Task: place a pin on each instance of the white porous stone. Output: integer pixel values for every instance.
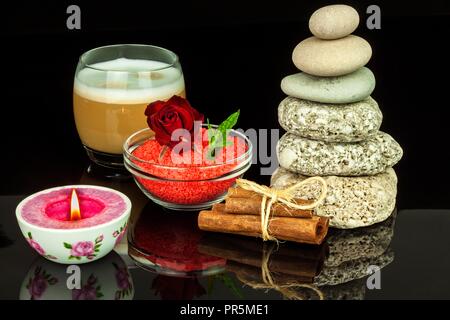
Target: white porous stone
(330, 122)
(351, 202)
(319, 158)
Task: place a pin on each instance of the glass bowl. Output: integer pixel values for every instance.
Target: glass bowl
(186, 187)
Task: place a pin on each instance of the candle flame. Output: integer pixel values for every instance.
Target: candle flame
(74, 207)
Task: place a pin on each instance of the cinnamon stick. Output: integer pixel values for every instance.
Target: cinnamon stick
(312, 231)
(241, 201)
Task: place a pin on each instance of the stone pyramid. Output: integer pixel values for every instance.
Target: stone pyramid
(333, 124)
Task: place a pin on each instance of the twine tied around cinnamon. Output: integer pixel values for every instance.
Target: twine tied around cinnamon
(287, 290)
(283, 196)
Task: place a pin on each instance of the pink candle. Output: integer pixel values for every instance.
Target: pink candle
(52, 209)
(65, 222)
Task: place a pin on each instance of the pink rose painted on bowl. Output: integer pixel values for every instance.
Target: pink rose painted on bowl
(82, 249)
(118, 234)
(36, 246)
(88, 249)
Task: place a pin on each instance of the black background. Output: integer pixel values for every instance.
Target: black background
(234, 55)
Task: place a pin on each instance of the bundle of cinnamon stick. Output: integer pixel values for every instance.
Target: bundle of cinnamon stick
(241, 214)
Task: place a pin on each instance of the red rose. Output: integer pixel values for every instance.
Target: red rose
(164, 117)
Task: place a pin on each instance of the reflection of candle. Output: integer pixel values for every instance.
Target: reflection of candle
(107, 279)
(74, 224)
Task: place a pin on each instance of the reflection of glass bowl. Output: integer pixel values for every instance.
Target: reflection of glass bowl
(167, 243)
(106, 279)
(186, 187)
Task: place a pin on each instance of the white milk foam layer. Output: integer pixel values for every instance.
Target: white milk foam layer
(129, 81)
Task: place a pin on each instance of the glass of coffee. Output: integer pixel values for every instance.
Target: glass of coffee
(113, 85)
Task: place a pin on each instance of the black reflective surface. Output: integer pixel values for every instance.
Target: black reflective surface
(233, 56)
(178, 261)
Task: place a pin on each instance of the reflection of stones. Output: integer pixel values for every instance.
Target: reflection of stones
(353, 251)
(373, 241)
(351, 270)
(167, 242)
(106, 279)
(352, 290)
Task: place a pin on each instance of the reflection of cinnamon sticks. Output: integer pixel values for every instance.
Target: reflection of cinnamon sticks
(303, 230)
(287, 262)
(297, 261)
(241, 201)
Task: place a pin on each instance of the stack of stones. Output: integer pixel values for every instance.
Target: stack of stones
(333, 124)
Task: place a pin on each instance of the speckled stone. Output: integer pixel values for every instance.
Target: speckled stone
(351, 270)
(351, 202)
(333, 22)
(330, 122)
(318, 158)
(329, 58)
(352, 87)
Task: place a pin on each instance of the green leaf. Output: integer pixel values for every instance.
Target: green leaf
(221, 144)
(78, 258)
(71, 257)
(67, 245)
(229, 122)
(29, 235)
(218, 137)
(99, 295)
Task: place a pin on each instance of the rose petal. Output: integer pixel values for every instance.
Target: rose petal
(186, 117)
(154, 107)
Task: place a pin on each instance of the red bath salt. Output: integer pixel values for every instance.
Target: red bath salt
(52, 209)
(193, 164)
